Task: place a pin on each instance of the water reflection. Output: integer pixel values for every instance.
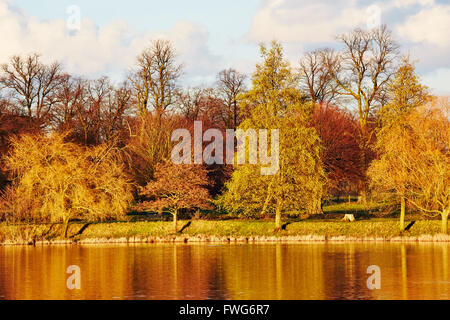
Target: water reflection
(278, 271)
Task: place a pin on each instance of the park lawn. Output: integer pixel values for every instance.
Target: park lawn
(375, 228)
(239, 228)
(372, 222)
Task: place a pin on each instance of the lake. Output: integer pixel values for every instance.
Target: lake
(247, 271)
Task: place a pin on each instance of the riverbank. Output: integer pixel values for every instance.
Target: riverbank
(225, 231)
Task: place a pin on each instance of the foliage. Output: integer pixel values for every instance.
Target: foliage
(340, 152)
(406, 95)
(415, 161)
(55, 181)
(177, 187)
(274, 102)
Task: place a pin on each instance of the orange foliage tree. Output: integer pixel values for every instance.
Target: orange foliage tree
(415, 161)
(177, 187)
(340, 152)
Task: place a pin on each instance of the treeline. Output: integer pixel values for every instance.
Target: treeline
(350, 122)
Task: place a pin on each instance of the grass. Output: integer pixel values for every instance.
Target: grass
(327, 226)
(384, 228)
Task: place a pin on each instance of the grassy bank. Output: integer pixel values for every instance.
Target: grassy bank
(223, 231)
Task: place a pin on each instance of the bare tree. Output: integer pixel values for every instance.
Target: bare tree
(114, 113)
(154, 79)
(94, 110)
(229, 85)
(364, 68)
(32, 85)
(316, 80)
(362, 72)
(193, 102)
(71, 97)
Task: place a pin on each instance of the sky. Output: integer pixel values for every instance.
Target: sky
(100, 37)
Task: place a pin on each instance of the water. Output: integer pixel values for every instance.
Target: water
(268, 271)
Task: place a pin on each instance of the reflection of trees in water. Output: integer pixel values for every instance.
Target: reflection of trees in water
(273, 272)
(175, 272)
(279, 271)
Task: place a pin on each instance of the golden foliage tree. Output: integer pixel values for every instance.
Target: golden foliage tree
(55, 181)
(274, 102)
(415, 163)
(405, 94)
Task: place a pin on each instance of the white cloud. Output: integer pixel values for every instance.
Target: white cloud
(305, 21)
(407, 3)
(95, 50)
(429, 25)
(438, 81)
(421, 26)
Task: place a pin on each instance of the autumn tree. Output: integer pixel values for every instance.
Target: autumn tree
(56, 181)
(275, 103)
(339, 151)
(362, 72)
(154, 80)
(176, 187)
(405, 95)
(415, 161)
(154, 92)
(149, 144)
(11, 124)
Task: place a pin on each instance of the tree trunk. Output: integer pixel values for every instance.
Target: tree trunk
(65, 228)
(266, 204)
(402, 213)
(175, 218)
(445, 214)
(318, 206)
(362, 198)
(278, 214)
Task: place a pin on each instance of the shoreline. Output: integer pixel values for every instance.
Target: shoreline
(205, 239)
(228, 231)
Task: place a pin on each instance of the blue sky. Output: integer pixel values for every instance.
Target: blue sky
(211, 35)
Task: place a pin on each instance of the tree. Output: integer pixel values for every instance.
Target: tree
(362, 72)
(32, 85)
(114, 114)
(177, 187)
(274, 102)
(230, 84)
(316, 81)
(56, 181)
(11, 124)
(340, 151)
(71, 97)
(155, 78)
(195, 103)
(405, 95)
(149, 144)
(415, 163)
(94, 111)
